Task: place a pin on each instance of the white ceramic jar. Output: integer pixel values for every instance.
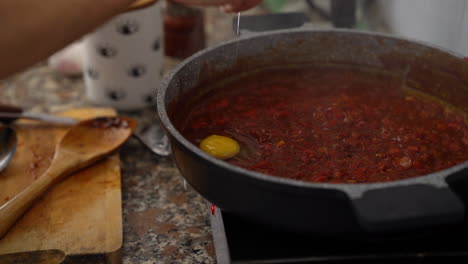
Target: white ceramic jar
(123, 60)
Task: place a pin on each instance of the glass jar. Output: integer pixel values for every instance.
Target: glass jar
(184, 31)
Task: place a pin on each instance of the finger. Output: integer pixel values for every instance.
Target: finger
(242, 5)
(227, 8)
(232, 6)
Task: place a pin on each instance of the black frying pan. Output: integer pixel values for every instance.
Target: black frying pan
(421, 202)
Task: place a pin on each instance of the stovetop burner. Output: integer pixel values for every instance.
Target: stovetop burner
(239, 242)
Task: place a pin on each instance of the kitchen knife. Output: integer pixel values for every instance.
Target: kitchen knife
(10, 113)
(149, 132)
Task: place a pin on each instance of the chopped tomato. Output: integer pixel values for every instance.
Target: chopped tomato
(330, 125)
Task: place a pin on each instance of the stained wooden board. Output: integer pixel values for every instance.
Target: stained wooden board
(81, 215)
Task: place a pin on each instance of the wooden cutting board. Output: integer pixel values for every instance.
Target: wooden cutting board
(81, 215)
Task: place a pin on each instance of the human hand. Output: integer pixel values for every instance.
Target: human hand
(141, 3)
(226, 5)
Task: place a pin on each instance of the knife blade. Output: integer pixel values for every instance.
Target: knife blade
(149, 132)
(4, 116)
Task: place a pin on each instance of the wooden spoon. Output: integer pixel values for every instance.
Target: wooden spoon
(84, 144)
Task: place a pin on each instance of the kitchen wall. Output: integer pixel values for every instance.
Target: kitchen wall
(441, 22)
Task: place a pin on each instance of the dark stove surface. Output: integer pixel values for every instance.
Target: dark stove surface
(238, 242)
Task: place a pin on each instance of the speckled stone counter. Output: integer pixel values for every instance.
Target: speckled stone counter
(162, 221)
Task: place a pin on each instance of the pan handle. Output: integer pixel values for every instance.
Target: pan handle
(402, 208)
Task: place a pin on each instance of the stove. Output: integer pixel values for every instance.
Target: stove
(238, 241)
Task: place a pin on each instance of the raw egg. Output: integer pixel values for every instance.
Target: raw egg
(220, 147)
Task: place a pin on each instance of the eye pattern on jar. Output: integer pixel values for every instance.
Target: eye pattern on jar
(137, 71)
(106, 50)
(92, 73)
(116, 94)
(149, 99)
(128, 27)
(157, 44)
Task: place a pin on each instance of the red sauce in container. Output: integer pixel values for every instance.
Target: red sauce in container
(184, 32)
(336, 126)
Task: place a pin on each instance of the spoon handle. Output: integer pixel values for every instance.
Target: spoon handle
(16, 207)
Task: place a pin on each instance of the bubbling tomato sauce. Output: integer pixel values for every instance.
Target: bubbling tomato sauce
(335, 126)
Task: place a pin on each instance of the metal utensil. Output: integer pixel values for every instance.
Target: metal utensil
(10, 113)
(8, 141)
(150, 134)
(153, 137)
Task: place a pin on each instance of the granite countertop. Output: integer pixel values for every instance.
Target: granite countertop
(162, 221)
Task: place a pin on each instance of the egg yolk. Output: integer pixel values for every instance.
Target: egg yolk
(220, 147)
